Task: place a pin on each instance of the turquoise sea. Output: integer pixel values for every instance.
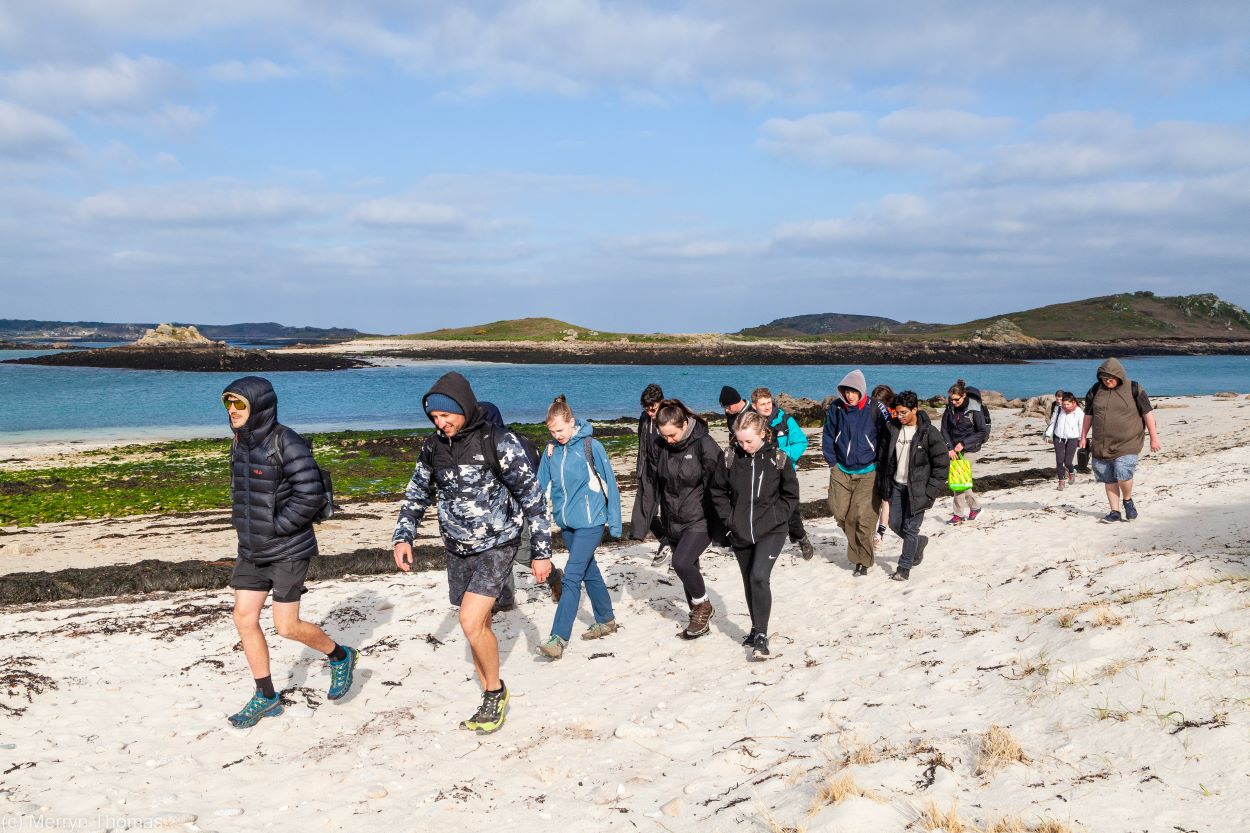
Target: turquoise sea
(55, 403)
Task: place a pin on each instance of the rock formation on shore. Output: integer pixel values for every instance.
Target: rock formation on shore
(168, 335)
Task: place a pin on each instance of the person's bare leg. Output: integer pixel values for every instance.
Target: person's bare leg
(475, 622)
(287, 623)
(1126, 489)
(1113, 496)
(247, 607)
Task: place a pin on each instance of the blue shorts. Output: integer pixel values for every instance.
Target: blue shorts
(1117, 470)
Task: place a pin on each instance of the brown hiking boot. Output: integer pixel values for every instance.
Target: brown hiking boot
(700, 616)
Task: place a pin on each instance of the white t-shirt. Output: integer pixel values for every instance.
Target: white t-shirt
(902, 452)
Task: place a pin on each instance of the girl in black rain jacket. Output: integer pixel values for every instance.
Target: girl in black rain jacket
(755, 494)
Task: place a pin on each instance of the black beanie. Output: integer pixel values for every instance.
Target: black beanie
(729, 396)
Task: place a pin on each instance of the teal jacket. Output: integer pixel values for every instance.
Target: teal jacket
(790, 437)
(577, 496)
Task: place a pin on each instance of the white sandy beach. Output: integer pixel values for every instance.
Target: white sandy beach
(1114, 654)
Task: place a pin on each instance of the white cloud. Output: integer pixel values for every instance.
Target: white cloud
(838, 140)
(258, 70)
(392, 212)
(202, 204)
(678, 247)
(943, 126)
(28, 135)
(121, 84)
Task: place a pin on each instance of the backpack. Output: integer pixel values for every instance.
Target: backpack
(1134, 389)
(975, 395)
(590, 458)
(781, 460)
(488, 437)
(326, 512)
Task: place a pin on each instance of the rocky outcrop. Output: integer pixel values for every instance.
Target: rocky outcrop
(1002, 331)
(167, 335)
(807, 412)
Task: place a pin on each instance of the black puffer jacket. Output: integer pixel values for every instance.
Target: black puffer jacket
(274, 503)
(683, 472)
(754, 497)
(927, 467)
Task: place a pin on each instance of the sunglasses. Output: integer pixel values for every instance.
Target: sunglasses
(235, 405)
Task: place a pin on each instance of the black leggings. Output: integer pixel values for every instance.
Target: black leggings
(686, 551)
(756, 564)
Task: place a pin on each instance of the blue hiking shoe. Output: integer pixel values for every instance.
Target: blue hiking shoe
(341, 674)
(1130, 511)
(259, 706)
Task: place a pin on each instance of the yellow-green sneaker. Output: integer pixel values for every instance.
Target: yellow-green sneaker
(490, 715)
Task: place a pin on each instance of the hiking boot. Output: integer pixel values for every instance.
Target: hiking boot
(1130, 511)
(749, 639)
(661, 555)
(258, 707)
(956, 520)
(1071, 478)
(860, 570)
(806, 548)
(553, 647)
(1062, 484)
(341, 674)
(1112, 517)
(700, 617)
(555, 580)
(972, 515)
(490, 715)
(601, 629)
(922, 541)
(759, 648)
(900, 574)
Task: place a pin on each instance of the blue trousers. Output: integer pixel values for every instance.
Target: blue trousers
(581, 569)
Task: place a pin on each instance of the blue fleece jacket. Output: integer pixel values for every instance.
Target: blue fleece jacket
(577, 499)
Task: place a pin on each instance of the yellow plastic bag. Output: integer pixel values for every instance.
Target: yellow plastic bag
(960, 477)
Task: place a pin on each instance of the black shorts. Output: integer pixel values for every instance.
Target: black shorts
(483, 573)
(284, 578)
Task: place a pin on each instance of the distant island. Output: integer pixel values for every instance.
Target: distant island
(21, 333)
(1127, 324)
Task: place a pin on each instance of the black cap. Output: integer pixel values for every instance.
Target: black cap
(729, 396)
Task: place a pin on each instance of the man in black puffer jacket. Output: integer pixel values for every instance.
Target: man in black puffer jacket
(277, 494)
(912, 465)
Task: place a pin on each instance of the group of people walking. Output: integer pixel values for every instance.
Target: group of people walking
(498, 497)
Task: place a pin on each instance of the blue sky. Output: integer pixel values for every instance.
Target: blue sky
(702, 166)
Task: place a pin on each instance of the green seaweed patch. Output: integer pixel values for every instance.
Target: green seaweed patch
(194, 475)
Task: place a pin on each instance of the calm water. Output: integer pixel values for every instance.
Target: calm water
(45, 403)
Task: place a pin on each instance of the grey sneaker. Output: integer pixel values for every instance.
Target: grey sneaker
(806, 548)
(601, 629)
(661, 555)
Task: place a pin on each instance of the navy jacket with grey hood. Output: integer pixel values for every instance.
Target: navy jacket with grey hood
(476, 510)
(275, 485)
(852, 433)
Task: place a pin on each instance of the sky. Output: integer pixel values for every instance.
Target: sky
(398, 165)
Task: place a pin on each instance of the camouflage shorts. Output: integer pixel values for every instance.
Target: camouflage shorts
(483, 573)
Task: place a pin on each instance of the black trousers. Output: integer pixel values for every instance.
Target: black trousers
(756, 563)
(796, 530)
(687, 549)
(905, 523)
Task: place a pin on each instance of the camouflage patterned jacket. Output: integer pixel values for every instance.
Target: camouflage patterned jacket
(477, 511)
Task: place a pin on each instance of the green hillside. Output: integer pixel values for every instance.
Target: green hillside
(1124, 316)
(539, 330)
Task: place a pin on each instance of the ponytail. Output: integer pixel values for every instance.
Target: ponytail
(560, 407)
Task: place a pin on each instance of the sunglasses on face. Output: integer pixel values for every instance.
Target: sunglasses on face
(235, 405)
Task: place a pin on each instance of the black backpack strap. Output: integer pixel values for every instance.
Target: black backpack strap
(490, 450)
(781, 460)
(589, 448)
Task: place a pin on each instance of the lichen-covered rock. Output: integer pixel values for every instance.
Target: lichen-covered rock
(167, 335)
